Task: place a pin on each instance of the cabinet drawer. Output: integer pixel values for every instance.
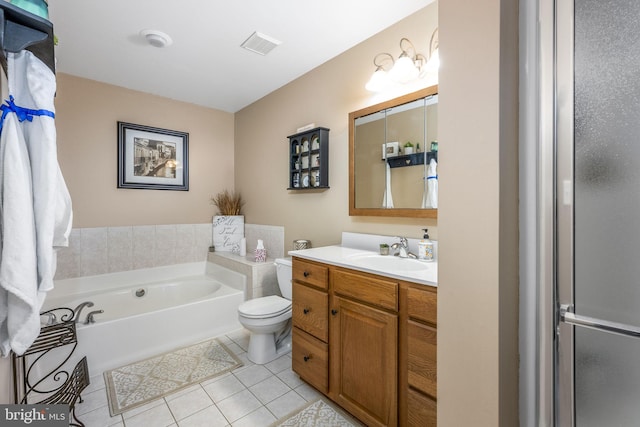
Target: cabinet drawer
(311, 274)
(379, 292)
(421, 411)
(310, 359)
(310, 311)
(422, 305)
(422, 357)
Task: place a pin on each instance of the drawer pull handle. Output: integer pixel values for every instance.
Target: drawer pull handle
(306, 310)
(306, 358)
(334, 311)
(306, 274)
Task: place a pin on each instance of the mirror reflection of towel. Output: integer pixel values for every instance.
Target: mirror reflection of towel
(387, 199)
(430, 199)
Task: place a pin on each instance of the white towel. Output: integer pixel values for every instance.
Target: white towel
(430, 199)
(33, 86)
(387, 199)
(19, 302)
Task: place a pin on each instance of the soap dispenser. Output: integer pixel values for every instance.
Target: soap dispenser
(425, 247)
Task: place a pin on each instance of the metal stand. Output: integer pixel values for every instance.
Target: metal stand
(57, 386)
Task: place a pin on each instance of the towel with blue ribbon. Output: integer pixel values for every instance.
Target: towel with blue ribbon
(21, 113)
(35, 206)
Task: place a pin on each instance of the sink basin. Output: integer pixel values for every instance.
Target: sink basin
(389, 263)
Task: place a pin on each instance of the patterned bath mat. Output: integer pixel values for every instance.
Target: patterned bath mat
(317, 414)
(134, 385)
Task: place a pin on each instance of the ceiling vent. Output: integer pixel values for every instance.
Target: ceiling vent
(260, 43)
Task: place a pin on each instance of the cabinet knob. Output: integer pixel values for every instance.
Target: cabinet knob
(334, 311)
(306, 358)
(306, 274)
(306, 310)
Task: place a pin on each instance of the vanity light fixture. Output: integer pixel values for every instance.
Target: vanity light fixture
(434, 57)
(409, 66)
(379, 81)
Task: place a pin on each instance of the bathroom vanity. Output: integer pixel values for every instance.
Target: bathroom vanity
(367, 339)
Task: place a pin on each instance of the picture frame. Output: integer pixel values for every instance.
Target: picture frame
(390, 149)
(152, 158)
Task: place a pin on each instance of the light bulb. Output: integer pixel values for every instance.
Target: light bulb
(434, 62)
(378, 81)
(404, 70)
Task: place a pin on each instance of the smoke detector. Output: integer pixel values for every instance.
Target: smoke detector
(260, 43)
(156, 38)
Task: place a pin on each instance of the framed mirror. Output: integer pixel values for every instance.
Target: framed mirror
(391, 148)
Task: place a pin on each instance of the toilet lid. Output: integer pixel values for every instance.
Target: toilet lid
(270, 306)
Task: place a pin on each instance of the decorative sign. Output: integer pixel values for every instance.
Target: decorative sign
(228, 231)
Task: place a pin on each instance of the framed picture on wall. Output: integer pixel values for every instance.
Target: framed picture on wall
(152, 158)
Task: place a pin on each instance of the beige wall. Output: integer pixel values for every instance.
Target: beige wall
(324, 96)
(87, 113)
(477, 225)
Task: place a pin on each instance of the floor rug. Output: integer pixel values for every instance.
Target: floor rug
(134, 385)
(318, 413)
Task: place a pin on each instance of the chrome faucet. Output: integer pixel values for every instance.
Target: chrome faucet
(90, 318)
(79, 308)
(403, 248)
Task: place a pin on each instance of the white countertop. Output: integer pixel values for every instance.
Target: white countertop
(425, 273)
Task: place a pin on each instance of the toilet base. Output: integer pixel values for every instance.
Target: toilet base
(263, 349)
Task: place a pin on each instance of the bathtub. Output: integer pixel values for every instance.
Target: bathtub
(150, 311)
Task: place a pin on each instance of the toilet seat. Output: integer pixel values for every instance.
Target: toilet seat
(265, 307)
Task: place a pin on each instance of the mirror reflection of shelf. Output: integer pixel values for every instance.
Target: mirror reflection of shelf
(413, 159)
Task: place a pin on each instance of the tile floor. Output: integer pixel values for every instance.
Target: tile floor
(252, 395)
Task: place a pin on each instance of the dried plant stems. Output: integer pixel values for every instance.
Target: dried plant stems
(228, 203)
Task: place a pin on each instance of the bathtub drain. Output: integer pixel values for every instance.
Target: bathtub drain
(140, 293)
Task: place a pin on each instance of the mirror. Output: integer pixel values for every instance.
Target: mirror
(388, 176)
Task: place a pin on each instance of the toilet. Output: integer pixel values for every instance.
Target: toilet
(269, 319)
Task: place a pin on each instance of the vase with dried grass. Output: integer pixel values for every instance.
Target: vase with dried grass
(228, 223)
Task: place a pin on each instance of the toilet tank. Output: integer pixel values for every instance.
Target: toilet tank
(283, 272)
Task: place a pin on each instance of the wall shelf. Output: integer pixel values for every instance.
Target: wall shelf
(20, 30)
(309, 160)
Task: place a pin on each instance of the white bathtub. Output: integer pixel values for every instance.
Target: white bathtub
(182, 304)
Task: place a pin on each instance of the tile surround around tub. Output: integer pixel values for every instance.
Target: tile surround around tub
(102, 250)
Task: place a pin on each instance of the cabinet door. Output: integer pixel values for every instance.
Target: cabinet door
(363, 358)
(422, 411)
(422, 356)
(310, 308)
(310, 273)
(310, 360)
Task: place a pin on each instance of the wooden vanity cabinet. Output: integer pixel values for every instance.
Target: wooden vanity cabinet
(310, 302)
(363, 346)
(366, 341)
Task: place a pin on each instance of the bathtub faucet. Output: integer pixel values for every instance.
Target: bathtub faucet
(90, 318)
(76, 312)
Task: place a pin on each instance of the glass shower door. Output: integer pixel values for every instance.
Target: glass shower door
(598, 207)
